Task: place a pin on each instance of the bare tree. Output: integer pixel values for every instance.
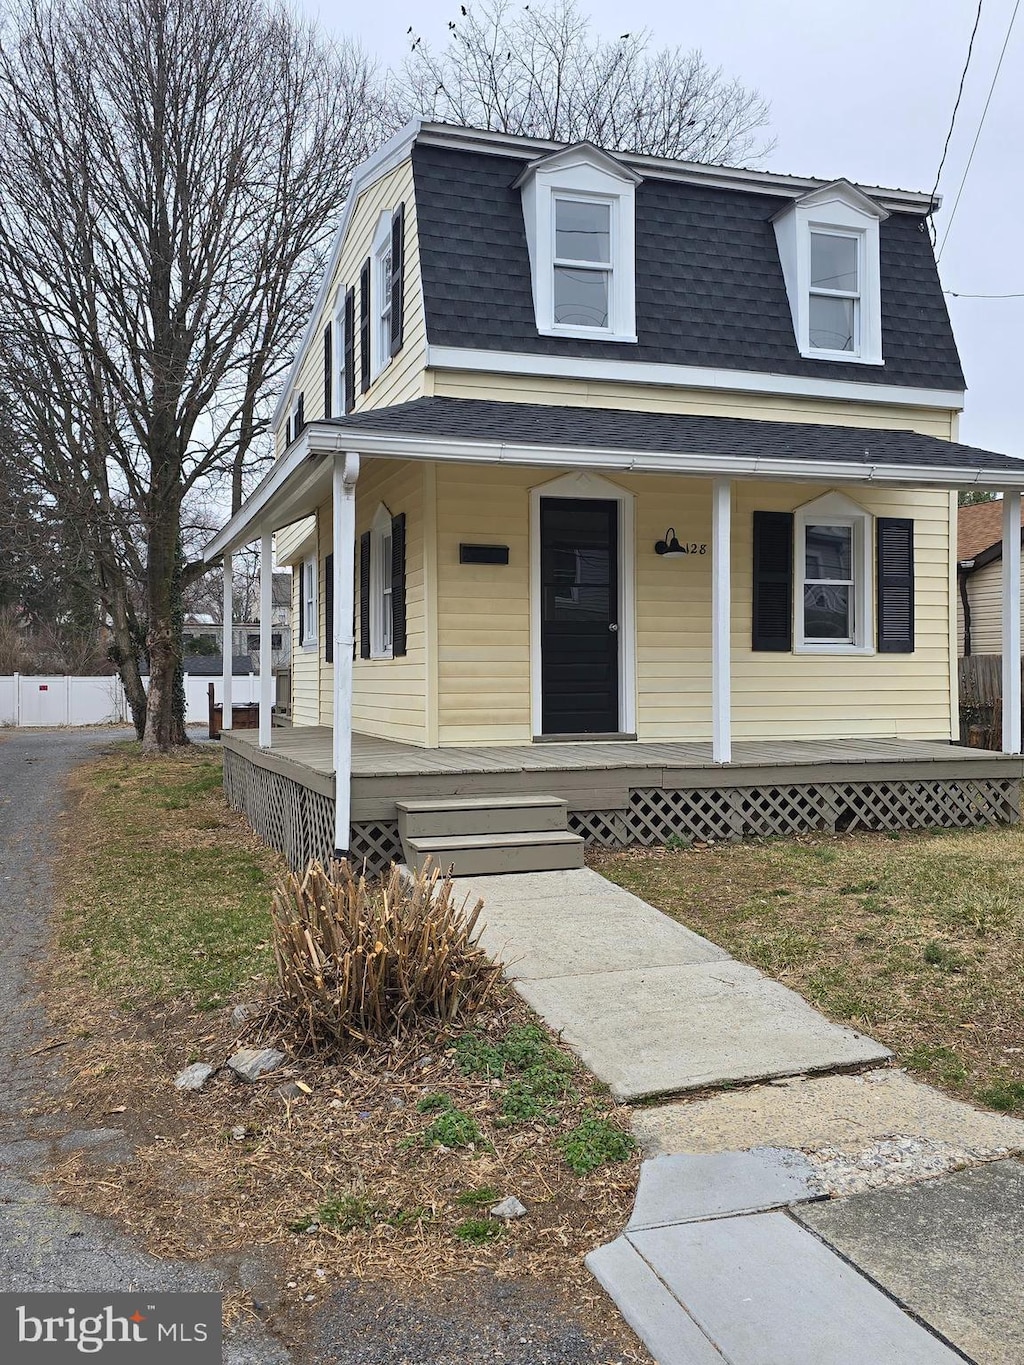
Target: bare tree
(540, 70)
(172, 172)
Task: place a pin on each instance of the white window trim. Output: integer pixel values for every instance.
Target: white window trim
(382, 622)
(834, 509)
(380, 297)
(581, 173)
(847, 212)
(311, 590)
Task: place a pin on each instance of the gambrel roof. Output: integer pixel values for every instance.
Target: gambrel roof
(709, 284)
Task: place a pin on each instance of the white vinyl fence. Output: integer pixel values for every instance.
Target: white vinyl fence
(27, 701)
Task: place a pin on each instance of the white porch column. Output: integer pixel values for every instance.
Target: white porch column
(721, 621)
(346, 472)
(227, 650)
(1011, 623)
(266, 658)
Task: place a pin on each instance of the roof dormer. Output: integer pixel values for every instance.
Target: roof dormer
(579, 206)
(828, 246)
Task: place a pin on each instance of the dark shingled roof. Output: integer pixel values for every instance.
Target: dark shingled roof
(471, 419)
(709, 285)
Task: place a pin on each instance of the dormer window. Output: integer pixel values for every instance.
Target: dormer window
(583, 263)
(833, 320)
(579, 211)
(828, 247)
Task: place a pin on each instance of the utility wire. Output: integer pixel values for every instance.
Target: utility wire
(977, 135)
(952, 121)
(955, 294)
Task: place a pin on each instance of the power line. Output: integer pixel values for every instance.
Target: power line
(952, 121)
(955, 294)
(977, 135)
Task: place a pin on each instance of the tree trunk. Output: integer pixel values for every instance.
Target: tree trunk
(165, 709)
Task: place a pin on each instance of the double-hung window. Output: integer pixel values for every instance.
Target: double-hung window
(832, 592)
(833, 321)
(582, 262)
(828, 586)
(381, 610)
(309, 601)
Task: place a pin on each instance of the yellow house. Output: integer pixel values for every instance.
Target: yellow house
(620, 498)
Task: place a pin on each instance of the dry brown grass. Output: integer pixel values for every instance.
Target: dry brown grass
(129, 1015)
(917, 939)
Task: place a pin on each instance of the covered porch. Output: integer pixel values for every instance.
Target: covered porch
(325, 789)
(619, 793)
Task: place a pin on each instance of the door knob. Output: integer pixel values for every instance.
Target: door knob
(613, 626)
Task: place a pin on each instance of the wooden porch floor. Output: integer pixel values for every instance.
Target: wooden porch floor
(597, 775)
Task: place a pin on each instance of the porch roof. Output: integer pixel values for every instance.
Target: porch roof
(480, 431)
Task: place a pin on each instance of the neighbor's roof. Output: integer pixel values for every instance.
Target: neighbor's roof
(979, 527)
(613, 429)
(710, 290)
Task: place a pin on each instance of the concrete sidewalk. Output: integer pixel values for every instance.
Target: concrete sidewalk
(650, 1007)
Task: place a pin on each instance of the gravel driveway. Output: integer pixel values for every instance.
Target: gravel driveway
(44, 1246)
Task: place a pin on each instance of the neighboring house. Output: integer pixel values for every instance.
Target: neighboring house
(211, 666)
(204, 633)
(979, 557)
(647, 472)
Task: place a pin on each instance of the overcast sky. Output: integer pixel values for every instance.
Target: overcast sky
(864, 91)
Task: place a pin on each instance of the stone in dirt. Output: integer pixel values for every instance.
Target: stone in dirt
(194, 1077)
(250, 1063)
(291, 1090)
(241, 1014)
(509, 1208)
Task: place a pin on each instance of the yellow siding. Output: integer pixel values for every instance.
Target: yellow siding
(484, 620)
(706, 402)
(402, 379)
(388, 695)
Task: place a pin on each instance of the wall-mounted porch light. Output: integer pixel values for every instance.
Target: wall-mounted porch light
(670, 545)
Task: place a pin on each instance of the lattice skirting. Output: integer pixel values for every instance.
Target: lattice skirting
(656, 815)
(300, 823)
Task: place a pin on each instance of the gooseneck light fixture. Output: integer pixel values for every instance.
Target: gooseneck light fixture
(670, 545)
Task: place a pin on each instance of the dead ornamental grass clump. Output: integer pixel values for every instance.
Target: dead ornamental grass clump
(359, 962)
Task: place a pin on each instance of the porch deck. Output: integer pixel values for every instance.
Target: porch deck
(620, 792)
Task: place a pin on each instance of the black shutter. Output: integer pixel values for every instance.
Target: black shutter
(398, 615)
(328, 369)
(288, 433)
(300, 414)
(350, 350)
(364, 595)
(364, 326)
(329, 609)
(397, 277)
(895, 585)
(773, 581)
(302, 602)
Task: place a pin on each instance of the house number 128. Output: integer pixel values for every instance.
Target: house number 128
(693, 549)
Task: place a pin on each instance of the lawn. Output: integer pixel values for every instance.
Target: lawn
(915, 938)
(382, 1164)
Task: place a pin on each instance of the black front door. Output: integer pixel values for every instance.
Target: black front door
(579, 562)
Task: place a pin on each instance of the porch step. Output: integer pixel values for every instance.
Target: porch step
(475, 855)
(440, 816)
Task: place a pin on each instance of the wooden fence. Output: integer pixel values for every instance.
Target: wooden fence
(981, 700)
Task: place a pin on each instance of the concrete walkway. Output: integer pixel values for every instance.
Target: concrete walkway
(650, 1007)
(804, 1219)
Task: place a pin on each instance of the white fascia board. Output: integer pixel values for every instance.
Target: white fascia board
(384, 159)
(325, 439)
(665, 168)
(246, 525)
(688, 377)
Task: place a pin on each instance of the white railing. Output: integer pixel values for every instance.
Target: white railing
(37, 701)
